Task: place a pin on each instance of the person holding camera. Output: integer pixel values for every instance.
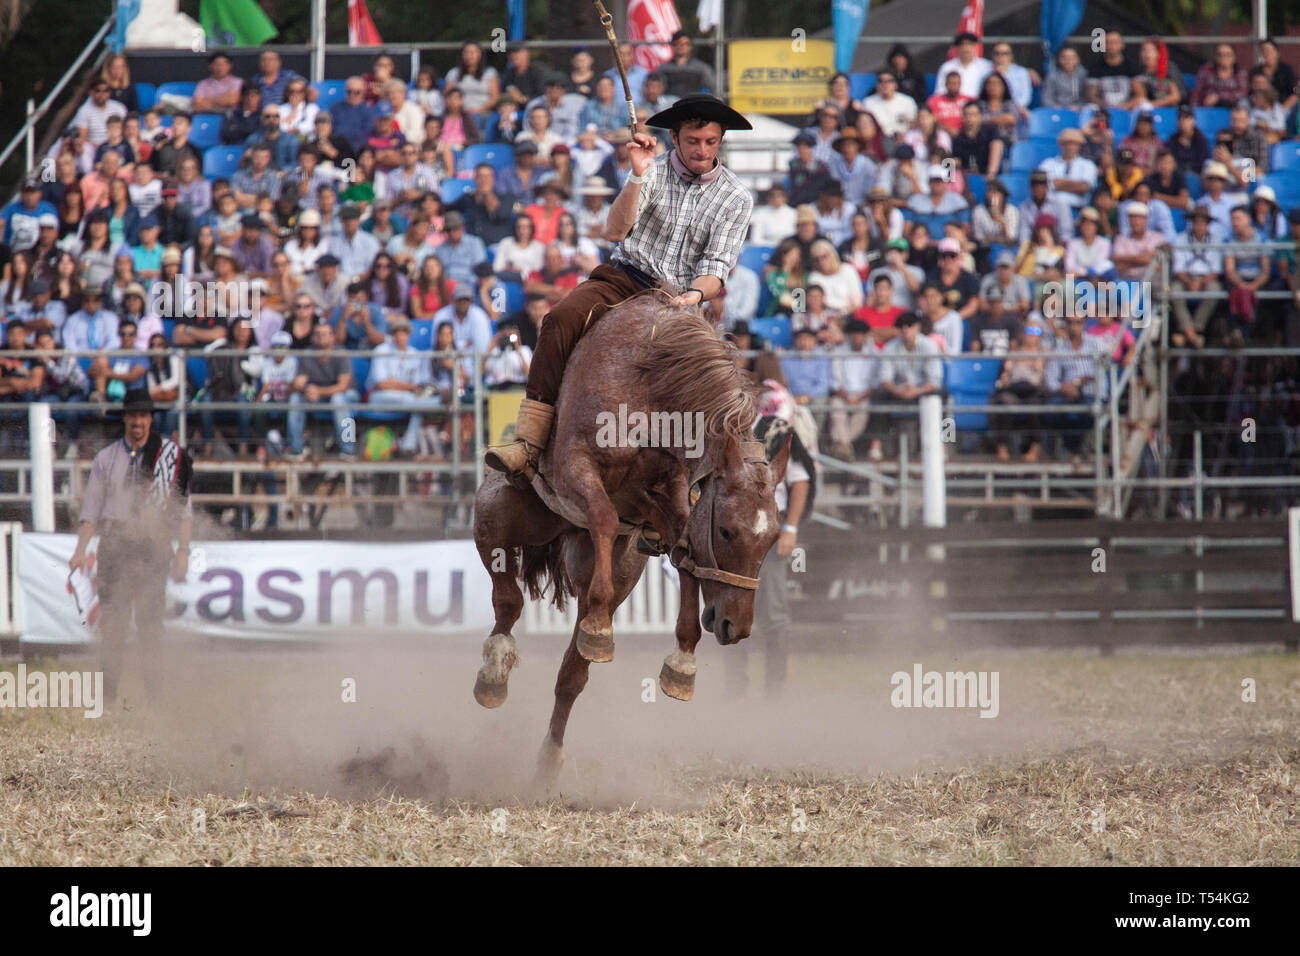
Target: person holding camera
(506, 365)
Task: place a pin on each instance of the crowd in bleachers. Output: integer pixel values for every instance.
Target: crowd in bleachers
(920, 215)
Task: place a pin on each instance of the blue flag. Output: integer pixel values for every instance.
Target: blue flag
(848, 17)
(515, 10)
(127, 10)
(1057, 20)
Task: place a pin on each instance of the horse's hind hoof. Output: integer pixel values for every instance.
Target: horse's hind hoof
(595, 646)
(489, 695)
(676, 684)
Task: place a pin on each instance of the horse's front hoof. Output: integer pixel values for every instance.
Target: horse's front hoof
(596, 646)
(676, 684)
(487, 694)
(549, 762)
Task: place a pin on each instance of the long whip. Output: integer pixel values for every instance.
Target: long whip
(607, 21)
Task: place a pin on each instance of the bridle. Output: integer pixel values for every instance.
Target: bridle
(703, 487)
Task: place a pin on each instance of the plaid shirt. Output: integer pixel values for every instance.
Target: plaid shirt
(682, 230)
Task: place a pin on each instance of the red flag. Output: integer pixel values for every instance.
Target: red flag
(971, 21)
(654, 20)
(361, 29)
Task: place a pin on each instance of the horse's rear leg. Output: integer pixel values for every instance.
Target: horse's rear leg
(677, 677)
(595, 639)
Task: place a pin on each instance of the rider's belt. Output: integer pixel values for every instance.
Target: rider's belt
(644, 280)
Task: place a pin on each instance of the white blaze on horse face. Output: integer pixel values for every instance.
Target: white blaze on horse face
(760, 524)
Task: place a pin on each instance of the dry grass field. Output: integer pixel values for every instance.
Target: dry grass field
(254, 758)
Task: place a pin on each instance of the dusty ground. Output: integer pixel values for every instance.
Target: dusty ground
(254, 758)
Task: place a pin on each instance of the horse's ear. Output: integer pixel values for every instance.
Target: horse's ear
(776, 467)
(732, 459)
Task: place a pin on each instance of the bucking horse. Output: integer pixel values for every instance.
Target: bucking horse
(597, 508)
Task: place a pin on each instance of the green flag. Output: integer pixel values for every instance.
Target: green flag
(235, 23)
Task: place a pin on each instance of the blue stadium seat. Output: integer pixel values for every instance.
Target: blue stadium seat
(514, 296)
(1211, 119)
(490, 126)
(422, 334)
(978, 186)
(1047, 123)
(861, 85)
(929, 84)
(1026, 156)
(176, 88)
(169, 326)
(1180, 219)
(1165, 121)
(1194, 185)
(206, 130)
(328, 92)
(360, 372)
(221, 162)
(1017, 184)
(755, 257)
(971, 382)
(1284, 156)
(1121, 122)
(453, 189)
(146, 93)
(497, 155)
(775, 331)
(196, 371)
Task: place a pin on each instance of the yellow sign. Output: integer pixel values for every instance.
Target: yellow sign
(779, 76)
(503, 409)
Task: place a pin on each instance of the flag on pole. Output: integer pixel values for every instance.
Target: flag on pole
(127, 10)
(848, 17)
(235, 22)
(709, 12)
(1056, 21)
(656, 21)
(971, 21)
(361, 29)
(515, 19)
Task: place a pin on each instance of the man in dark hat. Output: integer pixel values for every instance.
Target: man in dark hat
(137, 500)
(686, 187)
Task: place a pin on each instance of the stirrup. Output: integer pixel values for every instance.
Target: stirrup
(650, 543)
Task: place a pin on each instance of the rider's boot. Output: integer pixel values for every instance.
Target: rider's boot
(532, 432)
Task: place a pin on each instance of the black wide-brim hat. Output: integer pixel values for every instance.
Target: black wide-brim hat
(702, 106)
(137, 400)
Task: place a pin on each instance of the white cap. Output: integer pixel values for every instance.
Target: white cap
(48, 221)
(1138, 209)
(935, 171)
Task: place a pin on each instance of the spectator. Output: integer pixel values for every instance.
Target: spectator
(556, 278)
(839, 280)
(354, 249)
(116, 144)
(834, 215)
(231, 378)
(1159, 217)
(113, 376)
(220, 90)
(478, 83)
(1112, 72)
(93, 115)
(1168, 183)
(1020, 80)
(252, 252)
(824, 131)
(167, 157)
(911, 368)
(1220, 82)
(971, 69)
(374, 82)
(784, 274)
(808, 175)
(910, 81)
(1247, 143)
(333, 150)
(1142, 145)
(506, 365)
(525, 78)
(895, 111)
(382, 224)
(92, 327)
(519, 254)
(905, 279)
(684, 74)
(928, 138)
(880, 311)
(1003, 291)
(946, 326)
(1071, 177)
(808, 370)
(63, 381)
(1267, 215)
(529, 319)
(176, 223)
(272, 79)
(1071, 379)
(299, 324)
(1042, 256)
(1089, 248)
(412, 247)
(604, 111)
(636, 73)
(960, 289)
(855, 173)
(432, 289)
(325, 377)
(193, 192)
(1064, 86)
(853, 378)
(22, 373)
(243, 120)
(1278, 73)
(738, 301)
(1040, 201)
(1187, 143)
(563, 107)
(839, 95)
(353, 118)
(1245, 274)
(946, 107)
(865, 247)
(1020, 383)
(1008, 120)
(1159, 82)
(401, 375)
(1215, 199)
(486, 211)
(1266, 114)
(471, 330)
(939, 205)
(260, 179)
(977, 147)
(1132, 253)
(146, 257)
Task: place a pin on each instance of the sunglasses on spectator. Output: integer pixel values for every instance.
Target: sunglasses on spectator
(354, 90)
(301, 306)
(947, 255)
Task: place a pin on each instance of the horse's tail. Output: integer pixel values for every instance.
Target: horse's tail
(542, 565)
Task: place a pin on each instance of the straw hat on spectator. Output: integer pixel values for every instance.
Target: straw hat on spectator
(805, 213)
(1216, 170)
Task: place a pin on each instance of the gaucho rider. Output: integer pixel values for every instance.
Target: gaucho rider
(680, 222)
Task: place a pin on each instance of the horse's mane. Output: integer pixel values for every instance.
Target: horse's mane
(688, 368)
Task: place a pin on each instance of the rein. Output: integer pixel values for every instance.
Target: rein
(680, 555)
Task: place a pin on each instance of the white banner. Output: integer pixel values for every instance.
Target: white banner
(284, 590)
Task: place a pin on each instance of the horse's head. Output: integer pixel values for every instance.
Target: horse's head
(732, 527)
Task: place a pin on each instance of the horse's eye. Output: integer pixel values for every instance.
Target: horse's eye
(726, 535)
